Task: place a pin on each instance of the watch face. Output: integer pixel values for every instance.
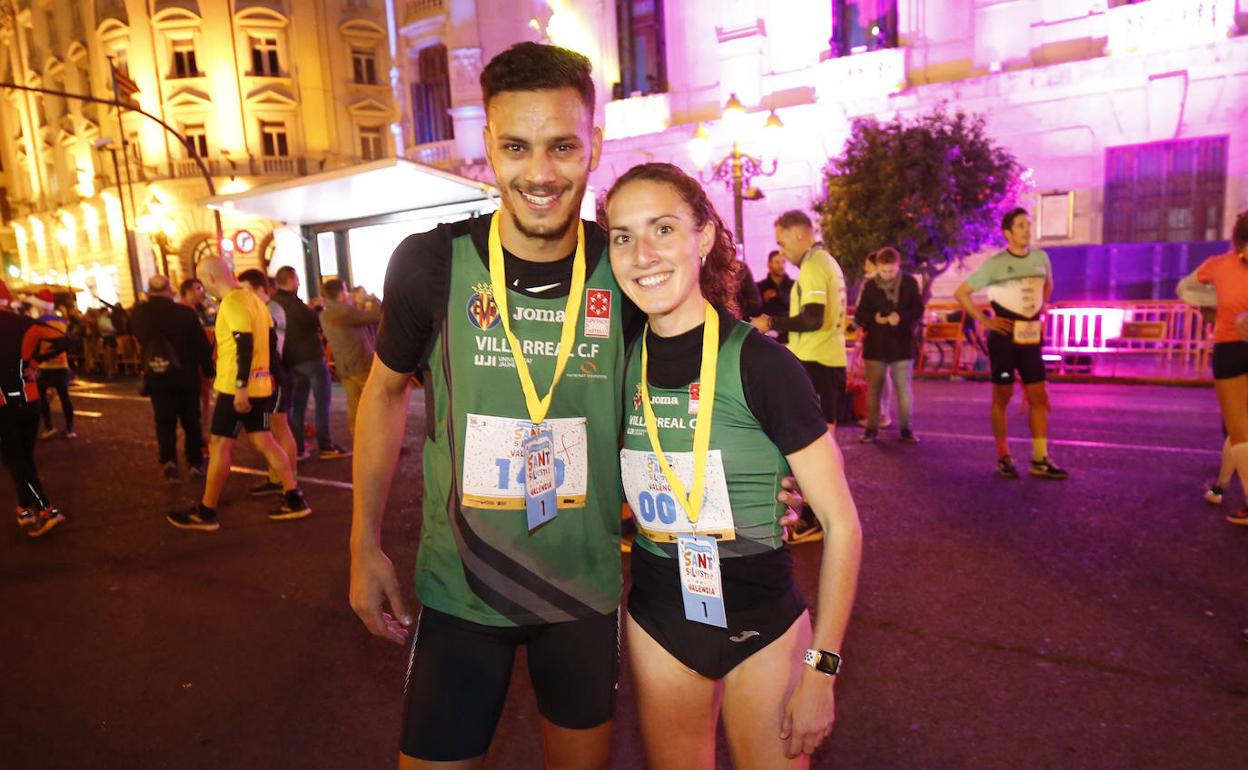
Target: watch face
(829, 663)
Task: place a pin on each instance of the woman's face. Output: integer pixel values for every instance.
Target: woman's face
(656, 247)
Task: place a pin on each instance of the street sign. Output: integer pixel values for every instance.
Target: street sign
(244, 241)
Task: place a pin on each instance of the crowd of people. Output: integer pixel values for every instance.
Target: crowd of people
(525, 328)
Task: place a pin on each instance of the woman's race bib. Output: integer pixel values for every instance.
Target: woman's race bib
(494, 461)
(659, 516)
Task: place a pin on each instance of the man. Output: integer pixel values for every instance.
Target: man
(816, 327)
(494, 571)
(54, 372)
(1019, 281)
(244, 387)
(775, 288)
(191, 293)
(349, 331)
(749, 301)
(279, 420)
(305, 360)
(176, 357)
(23, 343)
(888, 310)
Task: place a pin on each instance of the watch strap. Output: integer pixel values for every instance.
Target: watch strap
(823, 661)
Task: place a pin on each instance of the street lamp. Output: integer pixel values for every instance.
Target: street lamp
(738, 168)
(160, 229)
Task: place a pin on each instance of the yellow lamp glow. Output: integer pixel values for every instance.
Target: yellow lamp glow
(700, 146)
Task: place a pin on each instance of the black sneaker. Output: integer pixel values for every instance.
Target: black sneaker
(27, 517)
(908, 437)
(1006, 469)
(1045, 469)
(171, 474)
(266, 487)
(333, 452)
(49, 519)
(198, 518)
(293, 507)
(868, 436)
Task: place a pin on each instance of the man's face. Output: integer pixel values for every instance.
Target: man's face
(793, 242)
(542, 146)
(194, 295)
(775, 265)
(888, 271)
(1018, 237)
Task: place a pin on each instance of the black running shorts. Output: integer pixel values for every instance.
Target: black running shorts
(1006, 357)
(829, 382)
(761, 603)
(1230, 359)
(459, 671)
(281, 390)
(229, 423)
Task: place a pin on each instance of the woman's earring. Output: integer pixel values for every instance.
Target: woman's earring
(703, 260)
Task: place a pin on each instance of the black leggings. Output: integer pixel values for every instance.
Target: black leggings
(19, 427)
(58, 380)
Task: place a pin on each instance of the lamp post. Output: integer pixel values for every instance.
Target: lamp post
(159, 228)
(738, 168)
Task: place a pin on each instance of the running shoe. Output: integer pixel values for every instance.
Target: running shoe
(266, 487)
(171, 474)
(908, 437)
(27, 517)
(293, 507)
(333, 452)
(805, 532)
(49, 519)
(868, 436)
(1045, 469)
(885, 422)
(1006, 469)
(197, 517)
(1238, 517)
(71, 434)
(47, 433)
(1213, 494)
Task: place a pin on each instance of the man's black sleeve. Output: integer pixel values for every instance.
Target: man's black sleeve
(245, 344)
(810, 319)
(779, 394)
(417, 279)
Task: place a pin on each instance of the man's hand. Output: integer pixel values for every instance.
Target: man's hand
(242, 402)
(373, 581)
(893, 319)
(762, 323)
(791, 495)
(809, 714)
(999, 325)
(881, 319)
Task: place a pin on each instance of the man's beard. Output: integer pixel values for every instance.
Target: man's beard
(552, 235)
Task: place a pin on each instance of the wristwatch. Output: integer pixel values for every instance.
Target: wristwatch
(824, 662)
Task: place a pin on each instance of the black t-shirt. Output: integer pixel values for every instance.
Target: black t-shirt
(777, 390)
(418, 283)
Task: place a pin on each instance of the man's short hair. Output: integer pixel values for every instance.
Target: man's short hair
(255, 278)
(1239, 233)
(538, 67)
(794, 218)
(187, 285)
(333, 288)
(157, 284)
(1007, 221)
(285, 275)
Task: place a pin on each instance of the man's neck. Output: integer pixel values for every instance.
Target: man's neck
(1014, 253)
(778, 279)
(534, 249)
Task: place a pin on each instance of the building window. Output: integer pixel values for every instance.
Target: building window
(643, 59)
(431, 97)
(273, 136)
(863, 25)
(1166, 191)
(370, 143)
(364, 65)
(184, 65)
(198, 137)
(264, 56)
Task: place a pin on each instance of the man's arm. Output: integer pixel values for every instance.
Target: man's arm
(809, 320)
(382, 416)
(963, 295)
(353, 316)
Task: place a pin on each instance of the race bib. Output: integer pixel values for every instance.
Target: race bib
(659, 516)
(1028, 332)
(496, 467)
(540, 502)
(700, 584)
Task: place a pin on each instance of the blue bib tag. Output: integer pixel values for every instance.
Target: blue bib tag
(700, 586)
(540, 499)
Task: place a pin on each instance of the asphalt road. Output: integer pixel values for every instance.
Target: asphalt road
(1092, 623)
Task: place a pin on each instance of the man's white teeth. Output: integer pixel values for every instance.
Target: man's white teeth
(543, 200)
(651, 281)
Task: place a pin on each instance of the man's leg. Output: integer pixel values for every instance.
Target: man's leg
(354, 386)
(1001, 394)
(192, 426)
(1233, 399)
(322, 390)
(576, 719)
(278, 462)
(875, 383)
(28, 430)
(62, 392)
(1038, 419)
(165, 410)
(45, 409)
(299, 403)
(220, 452)
(902, 374)
(286, 440)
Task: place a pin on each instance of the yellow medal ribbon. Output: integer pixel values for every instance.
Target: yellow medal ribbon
(498, 282)
(691, 502)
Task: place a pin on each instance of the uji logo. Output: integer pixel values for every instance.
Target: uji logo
(482, 310)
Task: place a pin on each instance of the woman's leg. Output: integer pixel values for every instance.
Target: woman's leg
(676, 707)
(755, 694)
(875, 382)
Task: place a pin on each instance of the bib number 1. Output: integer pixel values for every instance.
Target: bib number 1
(540, 500)
(700, 583)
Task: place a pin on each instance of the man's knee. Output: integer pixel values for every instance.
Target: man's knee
(1001, 394)
(1038, 396)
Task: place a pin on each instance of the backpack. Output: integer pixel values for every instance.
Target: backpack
(160, 358)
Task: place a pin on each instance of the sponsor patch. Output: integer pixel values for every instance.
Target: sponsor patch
(597, 312)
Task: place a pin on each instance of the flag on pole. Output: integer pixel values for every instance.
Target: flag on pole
(124, 88)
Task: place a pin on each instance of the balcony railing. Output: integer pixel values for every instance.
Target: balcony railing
(440, 154)
(875, 73)
(1160, 25)
(419, 9)
(638, 115)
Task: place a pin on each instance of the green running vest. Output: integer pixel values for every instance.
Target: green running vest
(752, 465)
(477, 559)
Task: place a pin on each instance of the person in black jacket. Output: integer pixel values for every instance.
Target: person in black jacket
(775, 288)
(175, 354)
(888, 311)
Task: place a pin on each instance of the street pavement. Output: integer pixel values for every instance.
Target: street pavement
(1092, 623)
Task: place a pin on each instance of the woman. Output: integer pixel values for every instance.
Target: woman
(1228, 275)
(888, 310)
(711, 394)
